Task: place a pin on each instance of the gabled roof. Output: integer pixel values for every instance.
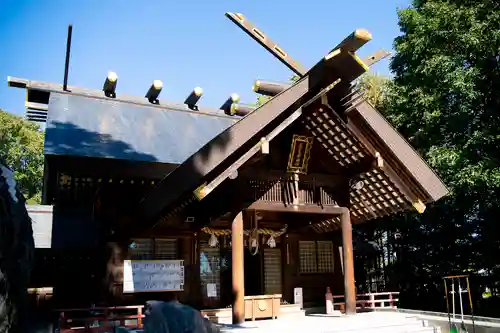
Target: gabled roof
(391, 185)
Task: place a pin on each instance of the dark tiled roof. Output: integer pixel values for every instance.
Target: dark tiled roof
(106, 128)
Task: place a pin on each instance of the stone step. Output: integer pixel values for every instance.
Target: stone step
(361, 323)
(403, 328)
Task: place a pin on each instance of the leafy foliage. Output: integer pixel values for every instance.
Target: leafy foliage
(377, 87)
(21, 147)
(444, 99)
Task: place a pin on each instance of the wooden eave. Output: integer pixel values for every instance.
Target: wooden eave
(396, 151)
(379, 196)
(345, 145)
(389, 187)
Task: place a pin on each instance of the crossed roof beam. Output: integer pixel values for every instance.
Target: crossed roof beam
(351, 43)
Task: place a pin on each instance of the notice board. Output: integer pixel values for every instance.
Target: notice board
(153, 275)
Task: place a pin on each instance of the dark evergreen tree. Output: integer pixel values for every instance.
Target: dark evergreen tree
(444, 99)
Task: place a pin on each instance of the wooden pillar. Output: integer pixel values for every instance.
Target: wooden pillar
(237, 249)
(350, 291)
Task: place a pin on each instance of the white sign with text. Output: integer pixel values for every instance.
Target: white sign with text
(153, 275)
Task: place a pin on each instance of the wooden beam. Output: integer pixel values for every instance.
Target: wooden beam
(237, 260)
(260, 37)
(348, 260)
(269, 88)
(376, 57)
(351, 43)
(355, 40)
(304, 209)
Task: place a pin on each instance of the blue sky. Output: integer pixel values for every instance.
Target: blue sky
(183, 43)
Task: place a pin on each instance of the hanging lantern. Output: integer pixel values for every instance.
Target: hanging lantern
(271, 242)
(213, 241)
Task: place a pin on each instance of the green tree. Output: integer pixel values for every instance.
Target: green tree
(444, 99)
(21, 147)
(377, 88)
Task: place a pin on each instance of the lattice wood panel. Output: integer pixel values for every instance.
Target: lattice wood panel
(166, 249)
(272, 271)
(335, 137)
(378, 197)
(307, 257)
(325, 256)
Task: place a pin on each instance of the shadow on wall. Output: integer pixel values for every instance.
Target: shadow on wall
(67, 139)
(64, 138)
(201, 167)
(74, 225)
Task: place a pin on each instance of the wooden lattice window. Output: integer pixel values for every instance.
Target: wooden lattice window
(307, 255)
(154, 249)
(325, 256)
(272, 271)
(316, 256)
(165, 249)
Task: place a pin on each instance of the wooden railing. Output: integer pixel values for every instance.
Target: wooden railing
(369, 301)
(105, 319)
(100, 319)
